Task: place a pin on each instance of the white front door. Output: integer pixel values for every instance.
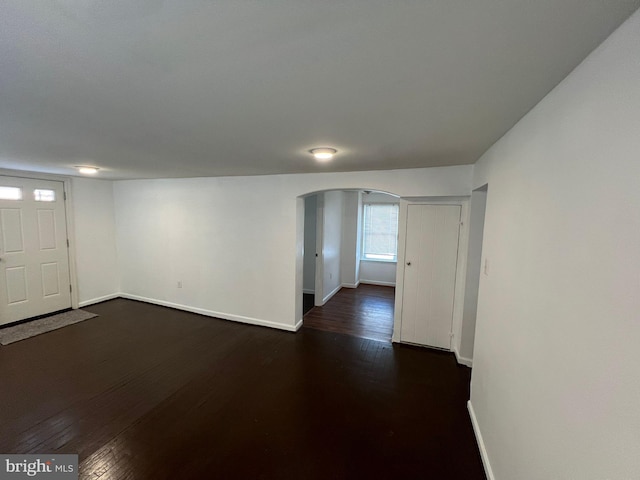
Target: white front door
(431, 257)
(34, 259)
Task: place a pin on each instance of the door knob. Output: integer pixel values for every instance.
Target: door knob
(408, 263)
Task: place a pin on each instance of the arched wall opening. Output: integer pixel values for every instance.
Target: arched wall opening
(330, 240)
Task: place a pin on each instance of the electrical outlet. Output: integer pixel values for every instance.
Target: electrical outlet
(179, 283)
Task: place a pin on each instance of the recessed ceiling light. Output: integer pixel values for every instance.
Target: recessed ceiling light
(87, 170)
(323, 153)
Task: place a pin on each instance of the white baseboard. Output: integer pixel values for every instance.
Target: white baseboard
(351, 285)
(298, 325)
(483, 451)
(98, 299)
(211, 313)
(308, 290)
(462, 360)
(331, 294)
(376, 282)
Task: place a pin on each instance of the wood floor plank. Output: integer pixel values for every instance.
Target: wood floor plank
(366, 311)
(149, 392)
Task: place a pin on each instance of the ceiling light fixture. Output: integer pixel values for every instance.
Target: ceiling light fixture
(323, 153)
(87, 170)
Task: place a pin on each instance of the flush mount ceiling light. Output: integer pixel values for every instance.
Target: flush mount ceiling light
(323, 153)
(87, 170)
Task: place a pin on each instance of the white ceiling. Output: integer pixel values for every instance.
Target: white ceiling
(182, 88)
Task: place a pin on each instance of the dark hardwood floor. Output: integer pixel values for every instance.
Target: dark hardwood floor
(366, 311)
(146, 392)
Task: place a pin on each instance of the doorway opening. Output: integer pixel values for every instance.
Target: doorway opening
(310, 253)
(349, 262)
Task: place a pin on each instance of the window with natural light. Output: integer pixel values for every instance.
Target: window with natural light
(10, 193)
(380, 232)
(43, 195)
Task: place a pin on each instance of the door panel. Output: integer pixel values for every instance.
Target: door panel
(47, 229)
(34, 261)
(16, 284)
(431, 255)
(12, 236)
(50, 279)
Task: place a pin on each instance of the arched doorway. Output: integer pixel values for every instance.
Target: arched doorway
(349, 261)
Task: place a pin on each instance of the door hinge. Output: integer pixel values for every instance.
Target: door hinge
(64, 195)
(67, 243)
(70, 289)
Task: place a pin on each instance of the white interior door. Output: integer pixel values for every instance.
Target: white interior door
(34, 259)
(431, 256)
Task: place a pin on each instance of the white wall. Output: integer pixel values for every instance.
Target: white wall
(555, 385)
(95, 240)
(349, 264)
(474, 263)
(204, 231)
(331, 244)
(310, 220)
(359, 217)
(378, 273)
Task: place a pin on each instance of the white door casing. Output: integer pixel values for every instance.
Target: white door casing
(431, 255)
(34, 258)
